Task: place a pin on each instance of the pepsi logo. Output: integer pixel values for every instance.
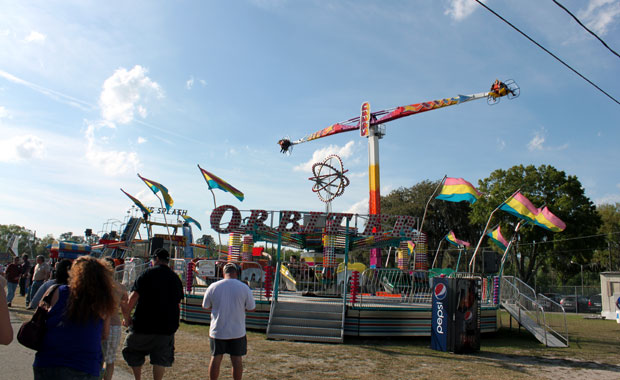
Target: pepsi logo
(468, 315)
(440, 291)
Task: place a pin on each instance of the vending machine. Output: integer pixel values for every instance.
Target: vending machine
(455, 324)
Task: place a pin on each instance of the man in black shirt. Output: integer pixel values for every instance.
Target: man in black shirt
(156, 295)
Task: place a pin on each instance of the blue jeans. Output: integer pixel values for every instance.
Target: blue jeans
(10, 287)
(33, 290)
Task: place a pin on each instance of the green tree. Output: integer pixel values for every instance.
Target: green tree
(538, 248)
(68, 236)
(609, 256)
(441, 216)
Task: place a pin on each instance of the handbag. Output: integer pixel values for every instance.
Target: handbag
(32, 333)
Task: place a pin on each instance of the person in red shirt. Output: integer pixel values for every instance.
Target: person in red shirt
(12, 273)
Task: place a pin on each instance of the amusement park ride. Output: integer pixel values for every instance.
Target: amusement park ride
(370, 125)
(319, 296)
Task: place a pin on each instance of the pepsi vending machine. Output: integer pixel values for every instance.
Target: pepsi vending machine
(455, 324)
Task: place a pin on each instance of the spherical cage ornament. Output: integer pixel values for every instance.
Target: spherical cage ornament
(329, 179)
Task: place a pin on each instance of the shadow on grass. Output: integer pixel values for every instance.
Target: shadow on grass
(508, 360)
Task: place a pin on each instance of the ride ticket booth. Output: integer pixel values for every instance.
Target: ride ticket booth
(455, 319)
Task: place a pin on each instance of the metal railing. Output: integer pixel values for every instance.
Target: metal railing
(129, 272)
(523, 297)
(207, 272)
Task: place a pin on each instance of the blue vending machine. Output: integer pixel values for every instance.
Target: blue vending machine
(455, 323)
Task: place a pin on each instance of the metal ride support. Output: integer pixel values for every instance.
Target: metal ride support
(374, 185)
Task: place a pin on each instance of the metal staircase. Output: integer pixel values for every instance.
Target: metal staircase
(306, 321)
(541, 316)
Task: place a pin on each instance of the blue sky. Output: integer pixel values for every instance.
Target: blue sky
(92, 93)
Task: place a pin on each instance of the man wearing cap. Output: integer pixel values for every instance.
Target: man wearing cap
(228, 300)
(156, 295)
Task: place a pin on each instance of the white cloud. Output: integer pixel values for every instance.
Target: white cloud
(63, 98)
(4, 113)
(461, 9)
(141, 140)
(190, 83)
(36, 37)
(125, 93)
(600, 15)
(536, 143)
(360, 207)
(202, 82)
(20, 148)
(111, 162)
(501, 144)
(320, 155)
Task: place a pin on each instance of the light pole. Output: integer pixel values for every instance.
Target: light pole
(581, 266)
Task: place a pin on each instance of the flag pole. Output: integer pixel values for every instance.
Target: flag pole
(473, 257)
(437, 253)
(219, 236)
(429, 202)
(161, 202)
(419, 235)
(514, 238)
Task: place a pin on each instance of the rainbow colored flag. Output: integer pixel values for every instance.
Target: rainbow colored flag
(521, 207)
(155, 187)
(410, 246)
(452, 239)
(142, 207)
(458, 190)
(215, 182)
(189, 219)
(497, 238)
(546, 219)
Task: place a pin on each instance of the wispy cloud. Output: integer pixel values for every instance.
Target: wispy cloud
(110, 162)
(320, 155)
(600, 15)
(461, 9)
(58, 96)
(141, 140)
(501, 144)
(126, 93)
(21, 148)
(360, 207)
(537, 142)
(4, 113)
(190, 83)
(36, 37)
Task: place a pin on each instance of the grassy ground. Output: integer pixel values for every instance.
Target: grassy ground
(507, 354)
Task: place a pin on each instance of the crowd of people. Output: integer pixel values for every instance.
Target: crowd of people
(83, 328)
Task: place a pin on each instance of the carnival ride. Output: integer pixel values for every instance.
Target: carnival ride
(368, 123)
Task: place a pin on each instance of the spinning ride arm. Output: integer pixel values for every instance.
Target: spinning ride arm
(384, 116)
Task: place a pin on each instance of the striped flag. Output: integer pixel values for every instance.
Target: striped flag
(458, 190)
(521, 207)
(546, 219)
(189, 219)
(497, 238)
(155, 187)
(142, 207)
(214, 182)
(452, 239)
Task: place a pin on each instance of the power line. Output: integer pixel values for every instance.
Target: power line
(586, 28)
(548, 52)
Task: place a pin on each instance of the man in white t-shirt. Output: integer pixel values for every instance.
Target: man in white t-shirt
(228, 300)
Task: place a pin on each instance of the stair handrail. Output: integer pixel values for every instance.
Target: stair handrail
(527, 300)
(557, 334)
(523, 302)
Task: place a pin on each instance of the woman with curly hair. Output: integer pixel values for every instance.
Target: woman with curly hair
(75, 323)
